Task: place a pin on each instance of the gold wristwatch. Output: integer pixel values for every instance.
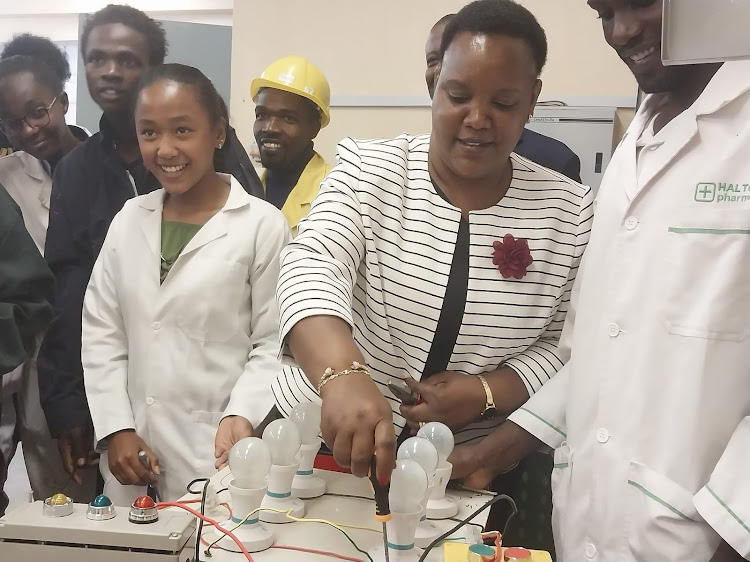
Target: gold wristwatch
(490, 411)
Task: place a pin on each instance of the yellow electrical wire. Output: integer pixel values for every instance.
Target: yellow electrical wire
(288, 512)
(324, 521)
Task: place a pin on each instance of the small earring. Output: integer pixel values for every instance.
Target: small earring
(221, 143)
(531, 116)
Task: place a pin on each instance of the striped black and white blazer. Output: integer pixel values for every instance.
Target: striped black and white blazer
(376, 251)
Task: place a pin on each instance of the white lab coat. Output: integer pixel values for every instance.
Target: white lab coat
(650, 417)
(30, 186)
(172, 360)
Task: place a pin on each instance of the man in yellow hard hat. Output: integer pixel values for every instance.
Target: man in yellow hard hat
(292, 100)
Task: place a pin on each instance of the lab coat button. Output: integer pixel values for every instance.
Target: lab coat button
(149, 401)
(614, 330)
(654, 147)
(156, 325)
(631, 223)
(590, 550)
(602, 435)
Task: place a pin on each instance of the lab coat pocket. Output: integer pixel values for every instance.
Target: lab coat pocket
(211, 305)
(562, 474)
(205, 425)
(663, 524)
(707, 258)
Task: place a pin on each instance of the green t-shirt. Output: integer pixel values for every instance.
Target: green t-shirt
(174, 237)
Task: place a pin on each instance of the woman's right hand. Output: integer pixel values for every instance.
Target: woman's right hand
(124, 462)
(356, 421)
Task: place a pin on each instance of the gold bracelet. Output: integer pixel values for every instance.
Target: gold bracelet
(329, 374)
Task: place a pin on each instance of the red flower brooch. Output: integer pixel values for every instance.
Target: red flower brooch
(512, 256)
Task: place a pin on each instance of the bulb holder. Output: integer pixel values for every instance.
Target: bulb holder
(401, 529)
(58, 505)
(245, 500)
(440, 506)
(253, 536)
(279, 495)
(426, 531)
(305, 485)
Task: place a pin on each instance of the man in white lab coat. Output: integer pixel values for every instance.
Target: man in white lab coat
(650, 416)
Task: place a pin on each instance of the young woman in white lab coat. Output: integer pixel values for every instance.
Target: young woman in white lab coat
(180, 326)
(33, 106)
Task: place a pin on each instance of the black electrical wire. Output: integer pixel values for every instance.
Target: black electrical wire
(203, 512)
(354, 496)
(195, 481)
(467, 523)
(463, 522)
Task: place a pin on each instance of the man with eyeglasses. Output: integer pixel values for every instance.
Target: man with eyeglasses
(6, 147)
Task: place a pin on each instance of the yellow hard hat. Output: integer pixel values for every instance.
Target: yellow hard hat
(296, 75)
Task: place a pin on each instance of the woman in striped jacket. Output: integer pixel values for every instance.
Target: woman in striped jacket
(444, 260)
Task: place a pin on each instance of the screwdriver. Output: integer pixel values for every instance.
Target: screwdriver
(151, 490)
(382, 509)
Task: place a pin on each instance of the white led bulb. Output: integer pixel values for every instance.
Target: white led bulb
(306, 416)
(441, 436)
(250, 461)
(282, 437)
(422, 451)
(408, 485)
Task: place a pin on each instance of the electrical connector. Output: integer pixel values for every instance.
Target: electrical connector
(212, 498)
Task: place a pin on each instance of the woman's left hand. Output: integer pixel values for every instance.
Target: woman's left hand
(452, 398)
(231, 429)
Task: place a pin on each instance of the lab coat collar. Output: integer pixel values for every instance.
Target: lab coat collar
(238, 197)
(33, 168)
(729, 82)
(213, 229)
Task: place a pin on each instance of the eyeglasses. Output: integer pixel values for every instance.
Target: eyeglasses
(36, 119)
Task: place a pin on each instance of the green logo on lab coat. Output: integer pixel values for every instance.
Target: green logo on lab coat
(705, 192)
(722, 192)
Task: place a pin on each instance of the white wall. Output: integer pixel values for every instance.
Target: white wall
(58, 19)
(371, 51)
(373, 56)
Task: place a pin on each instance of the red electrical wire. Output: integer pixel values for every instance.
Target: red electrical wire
(225, 504)
(212, 522)
(498, 543)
